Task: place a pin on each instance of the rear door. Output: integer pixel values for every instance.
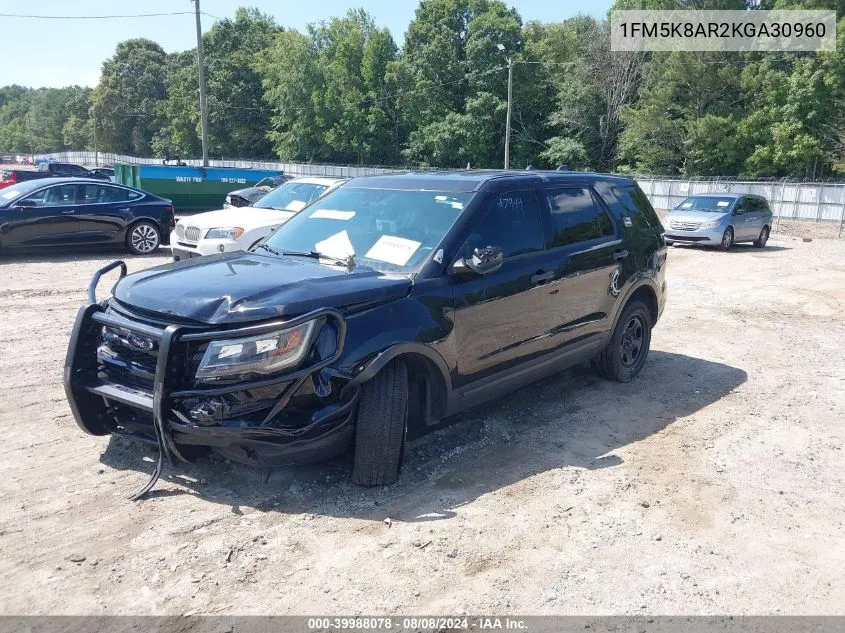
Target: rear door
(48, 220)
(105, 210)
(504, 317)
(587, 249)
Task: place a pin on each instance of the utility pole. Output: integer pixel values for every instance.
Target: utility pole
(510, 60)
(96, 157)
(203, 103)
(508, 121)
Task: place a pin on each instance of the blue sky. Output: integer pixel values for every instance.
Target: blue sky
(63, 52)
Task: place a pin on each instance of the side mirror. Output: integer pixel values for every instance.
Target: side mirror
(483, 261)
(25, 204)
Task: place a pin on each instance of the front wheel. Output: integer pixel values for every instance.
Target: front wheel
(143, 238)
(760, 242)
(625, 354)
(727, 239)
(380, 427)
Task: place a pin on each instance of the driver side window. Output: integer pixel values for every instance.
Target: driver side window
(60, 195)
(510, 221)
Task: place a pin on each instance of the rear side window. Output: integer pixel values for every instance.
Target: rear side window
(576, 216)
(637, 207)
(510, 221)
(95, 194)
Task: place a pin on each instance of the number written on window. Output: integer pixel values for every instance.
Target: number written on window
(511, 221)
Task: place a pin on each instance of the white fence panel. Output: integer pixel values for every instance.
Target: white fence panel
(815, 201)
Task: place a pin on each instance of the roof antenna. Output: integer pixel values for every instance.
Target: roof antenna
(529, 167)
(468, 167)
(563, 167)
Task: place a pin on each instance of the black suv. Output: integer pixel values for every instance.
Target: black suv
(372, 314)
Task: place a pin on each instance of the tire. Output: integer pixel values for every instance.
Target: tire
(381, 426)
(760, 242)
(624, 356)
(727, 239)
(143, 238)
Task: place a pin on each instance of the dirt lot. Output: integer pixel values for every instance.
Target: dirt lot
(711, 484)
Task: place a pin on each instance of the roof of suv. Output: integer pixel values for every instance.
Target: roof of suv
(733, 196)
(472, 179)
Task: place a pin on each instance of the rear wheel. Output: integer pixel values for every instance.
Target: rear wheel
(760, 242)
(143, 238)
(727, 239)
(380, 427)
(626, 353)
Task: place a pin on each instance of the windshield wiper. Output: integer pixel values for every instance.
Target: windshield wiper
(348, 261)
(268, 249)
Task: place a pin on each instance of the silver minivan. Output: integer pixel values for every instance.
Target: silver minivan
(720, 219)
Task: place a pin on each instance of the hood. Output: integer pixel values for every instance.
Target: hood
(683, 215)
(239, 216)
(253, 194)
(245, 286)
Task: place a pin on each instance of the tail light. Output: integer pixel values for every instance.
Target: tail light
(8, 178)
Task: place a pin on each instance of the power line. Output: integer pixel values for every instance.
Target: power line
(99, 17)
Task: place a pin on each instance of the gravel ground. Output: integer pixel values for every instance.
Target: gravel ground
(711, 484)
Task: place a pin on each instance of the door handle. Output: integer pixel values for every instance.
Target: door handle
(124, 209)
(620, 255)
(69, 212)
(542, 277)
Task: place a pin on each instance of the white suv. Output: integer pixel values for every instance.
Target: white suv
(239, 228)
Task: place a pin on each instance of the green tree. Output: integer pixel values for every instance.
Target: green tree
(44, 119)
(455, 81)
(330, 92)
(237, 118)
(126, 101)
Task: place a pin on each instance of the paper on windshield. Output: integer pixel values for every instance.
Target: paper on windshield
(722, 203)
(393, 250)
(686, 205)
(337, 245)
(9, 194)
(295, 205)
(331, 214)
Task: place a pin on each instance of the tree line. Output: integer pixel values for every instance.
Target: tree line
(343, 91)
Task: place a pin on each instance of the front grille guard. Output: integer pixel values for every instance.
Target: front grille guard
(80, 375)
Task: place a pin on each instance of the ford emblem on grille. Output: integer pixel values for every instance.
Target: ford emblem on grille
(140, 342)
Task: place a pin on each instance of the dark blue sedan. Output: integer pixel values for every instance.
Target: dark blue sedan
(83, 211)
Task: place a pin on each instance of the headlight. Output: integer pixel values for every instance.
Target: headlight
(227, 233)
(711, 224)
(262, 354)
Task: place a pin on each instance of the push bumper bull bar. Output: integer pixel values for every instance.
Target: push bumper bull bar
(88, 393)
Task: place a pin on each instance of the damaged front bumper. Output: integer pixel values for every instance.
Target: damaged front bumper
(131, 375)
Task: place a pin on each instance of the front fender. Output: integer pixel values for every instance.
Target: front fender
(407, 326)
(375, 364)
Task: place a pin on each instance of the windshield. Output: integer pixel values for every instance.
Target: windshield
(13, 192)
(713, 204)
(384, 229)
(291, 196)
